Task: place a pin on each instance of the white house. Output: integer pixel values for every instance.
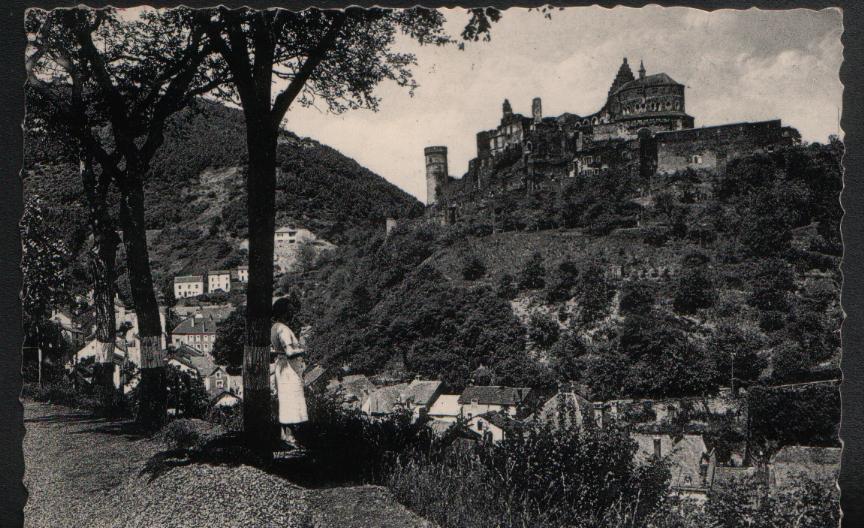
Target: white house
(492, 427)
(197, 332)
(219, 280)
(243, 273)
(446, 408)
(292, 235)
(188, 286)
(476, 400)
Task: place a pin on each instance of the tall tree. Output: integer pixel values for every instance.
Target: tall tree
(135, 73)
(57, 113)
(42, 259)
(337, 57)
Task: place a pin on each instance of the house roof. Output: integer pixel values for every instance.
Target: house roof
(494, 395)
(355, 387)
(189, 278)
(790, 463)
(446, 405)
(421, 392)
(384, 400)
(500, 420)
(286, 229)
(551, 410)
(225, 394)
(246, 268)
(196, 325)
(219, 272)
(313, 375)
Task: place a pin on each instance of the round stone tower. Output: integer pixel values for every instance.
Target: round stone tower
(436, 172)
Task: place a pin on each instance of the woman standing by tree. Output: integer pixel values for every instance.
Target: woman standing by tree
(290, 364)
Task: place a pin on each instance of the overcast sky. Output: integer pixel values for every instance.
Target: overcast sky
(736, 65)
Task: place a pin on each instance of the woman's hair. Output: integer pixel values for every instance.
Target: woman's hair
(283, 310)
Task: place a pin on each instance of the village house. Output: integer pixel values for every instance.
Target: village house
(494, 426)
(218, 312)
(197, 332)
(567, 409)
(384, 401)
(292, 235)
(416, 397)
(218, 380)
(242, 274)
(353, 389)
(219, 280)
(192, 360)
(446, 409)
(691, 464)
(476, 400)
(188, 286)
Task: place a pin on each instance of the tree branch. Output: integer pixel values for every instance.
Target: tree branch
(316, 56)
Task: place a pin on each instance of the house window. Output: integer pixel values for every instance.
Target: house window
(218, 374)
(657, 448)
(220, 384)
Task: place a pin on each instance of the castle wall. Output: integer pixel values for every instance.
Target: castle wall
(711, 147)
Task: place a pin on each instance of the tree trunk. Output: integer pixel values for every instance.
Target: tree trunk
(103, 274)
(152, 407)
(261, 189)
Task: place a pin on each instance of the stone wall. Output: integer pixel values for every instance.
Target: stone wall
(711, 147)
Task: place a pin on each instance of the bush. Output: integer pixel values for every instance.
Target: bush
(349, 446)
(189, 433)
(543, 330)
(506, 287)
(473, 268)
(543, 476)
(533, 275)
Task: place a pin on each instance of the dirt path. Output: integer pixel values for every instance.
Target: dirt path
(84, 471)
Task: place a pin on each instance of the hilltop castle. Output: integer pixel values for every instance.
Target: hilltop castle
(643, 129)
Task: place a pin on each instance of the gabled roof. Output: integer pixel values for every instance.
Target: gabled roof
(196, 325)
(189, 278)
(313, 375)
(421, 392)
(384, 400)
(494, 395)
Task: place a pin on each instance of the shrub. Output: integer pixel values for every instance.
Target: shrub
(533, 275)
(506, 287)
(473, 268)
(186, 433)
(541, 476)
(543, 330)
(349, 446)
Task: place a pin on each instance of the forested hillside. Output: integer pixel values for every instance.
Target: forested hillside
(195, 198)
(629, 292)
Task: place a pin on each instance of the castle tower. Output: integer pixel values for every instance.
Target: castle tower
(506, 108)
(537, 110)
(436, 172)
(624, 75)
(641, 70)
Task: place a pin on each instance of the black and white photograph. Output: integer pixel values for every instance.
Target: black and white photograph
(553, 267)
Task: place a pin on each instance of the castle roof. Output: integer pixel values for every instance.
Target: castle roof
(657, 79)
